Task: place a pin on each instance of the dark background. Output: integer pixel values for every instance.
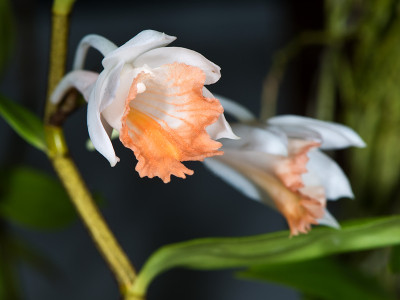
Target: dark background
(241, 37)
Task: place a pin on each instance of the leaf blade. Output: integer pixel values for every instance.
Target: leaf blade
(34, 199)
(324, 278)
(24, 122)
(273, 248)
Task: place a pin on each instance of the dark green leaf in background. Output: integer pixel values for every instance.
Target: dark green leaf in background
(24, 122)
(325, 278)
(34, 199)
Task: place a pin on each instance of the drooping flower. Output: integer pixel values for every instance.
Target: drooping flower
(154, 96)
(279, 162)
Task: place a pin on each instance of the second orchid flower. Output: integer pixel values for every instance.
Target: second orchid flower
(279, 162)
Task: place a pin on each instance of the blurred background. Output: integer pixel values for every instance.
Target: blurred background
(242, 37)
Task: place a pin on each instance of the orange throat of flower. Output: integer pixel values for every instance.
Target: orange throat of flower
(165, 122)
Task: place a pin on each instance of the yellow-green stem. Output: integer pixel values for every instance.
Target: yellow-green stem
(68, 172)
(58, 55)
(81, 198)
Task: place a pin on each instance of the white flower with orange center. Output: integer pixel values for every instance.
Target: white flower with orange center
(279, 162)
(154, 96)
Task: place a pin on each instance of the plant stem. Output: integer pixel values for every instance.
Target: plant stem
(81, 198)
(58, 57)
(274, 77)
(66, 169)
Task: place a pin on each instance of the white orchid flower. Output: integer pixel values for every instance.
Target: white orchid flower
(154, 96)
(280, 163)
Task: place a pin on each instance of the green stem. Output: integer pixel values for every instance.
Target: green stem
(325, 98)
(274, 77)
(65, 167)
(58, 54)
(82, 199)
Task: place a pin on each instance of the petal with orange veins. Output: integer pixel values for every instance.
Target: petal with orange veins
(290, 169)
(300, 210)
(165, 121)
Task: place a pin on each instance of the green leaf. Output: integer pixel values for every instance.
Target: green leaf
(324, 278)
(272, 248)
(6, 32)
(34, 199)
(25, 123)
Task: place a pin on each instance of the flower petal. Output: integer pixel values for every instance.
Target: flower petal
(221, 128)
(328, 174)
(162, 56)
(334, 136)
(329, 220)
(165, 123)
(142, 42)
(238, 111)
(257, 139)
(115, 110)
(107, 85)
(100, 131)
(290, 169)
(103, 94)
(300, 210)
(231, 176)
(83, 81)
(101, 44)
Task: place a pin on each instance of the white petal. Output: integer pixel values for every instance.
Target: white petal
(298, 132)
(161, 56)
(107, 86)
(142, 42)
(98, 42)
(83, 81)
(334, 136)
(257, 139)
(235, 109)
(115, 110)
(90, 146)
(99, 131)
(221, 128)
(329, 220)
(329, 174)
(233, 177)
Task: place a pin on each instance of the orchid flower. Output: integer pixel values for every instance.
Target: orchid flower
(154, 96)
(280, 162)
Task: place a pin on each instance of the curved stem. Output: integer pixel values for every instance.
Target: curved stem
(281, 59)
(68, 172)
(90, 214)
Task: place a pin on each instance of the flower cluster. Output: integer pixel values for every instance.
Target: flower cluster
(154, 96)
